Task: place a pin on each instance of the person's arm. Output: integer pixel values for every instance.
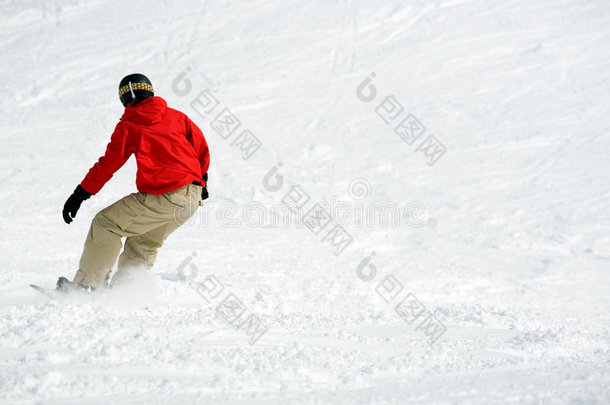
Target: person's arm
(197, 139)
(116, 155)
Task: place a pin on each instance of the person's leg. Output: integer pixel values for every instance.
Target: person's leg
(102, 246)
(141, 250)
(132, 216)
(103, 241)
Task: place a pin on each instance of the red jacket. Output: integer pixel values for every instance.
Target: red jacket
(170, 149)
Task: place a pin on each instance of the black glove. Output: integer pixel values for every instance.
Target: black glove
(204, 192)
(73, 203)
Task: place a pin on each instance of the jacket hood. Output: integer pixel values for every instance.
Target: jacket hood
(147, 112)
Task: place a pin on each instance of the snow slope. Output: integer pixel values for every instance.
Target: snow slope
(507, 242)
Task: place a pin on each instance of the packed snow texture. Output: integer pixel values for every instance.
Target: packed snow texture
(484, 124)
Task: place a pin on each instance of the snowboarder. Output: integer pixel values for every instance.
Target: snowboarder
(172, 157)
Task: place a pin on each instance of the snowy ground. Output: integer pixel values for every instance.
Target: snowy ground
(504, 240)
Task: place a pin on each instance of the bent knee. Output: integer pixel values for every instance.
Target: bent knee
(102, 222)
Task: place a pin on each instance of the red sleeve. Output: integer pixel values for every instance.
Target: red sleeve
(196, 138)
(115, 157)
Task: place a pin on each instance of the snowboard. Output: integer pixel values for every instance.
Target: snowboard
(63, 287)
(48, 292)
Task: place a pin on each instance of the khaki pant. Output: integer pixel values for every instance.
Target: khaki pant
(146, 220)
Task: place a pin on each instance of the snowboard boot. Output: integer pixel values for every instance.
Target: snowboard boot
(64, 285)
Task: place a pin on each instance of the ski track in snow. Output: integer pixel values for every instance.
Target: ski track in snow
(517, 268)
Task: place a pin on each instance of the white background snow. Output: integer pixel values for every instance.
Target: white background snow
(512, 257)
